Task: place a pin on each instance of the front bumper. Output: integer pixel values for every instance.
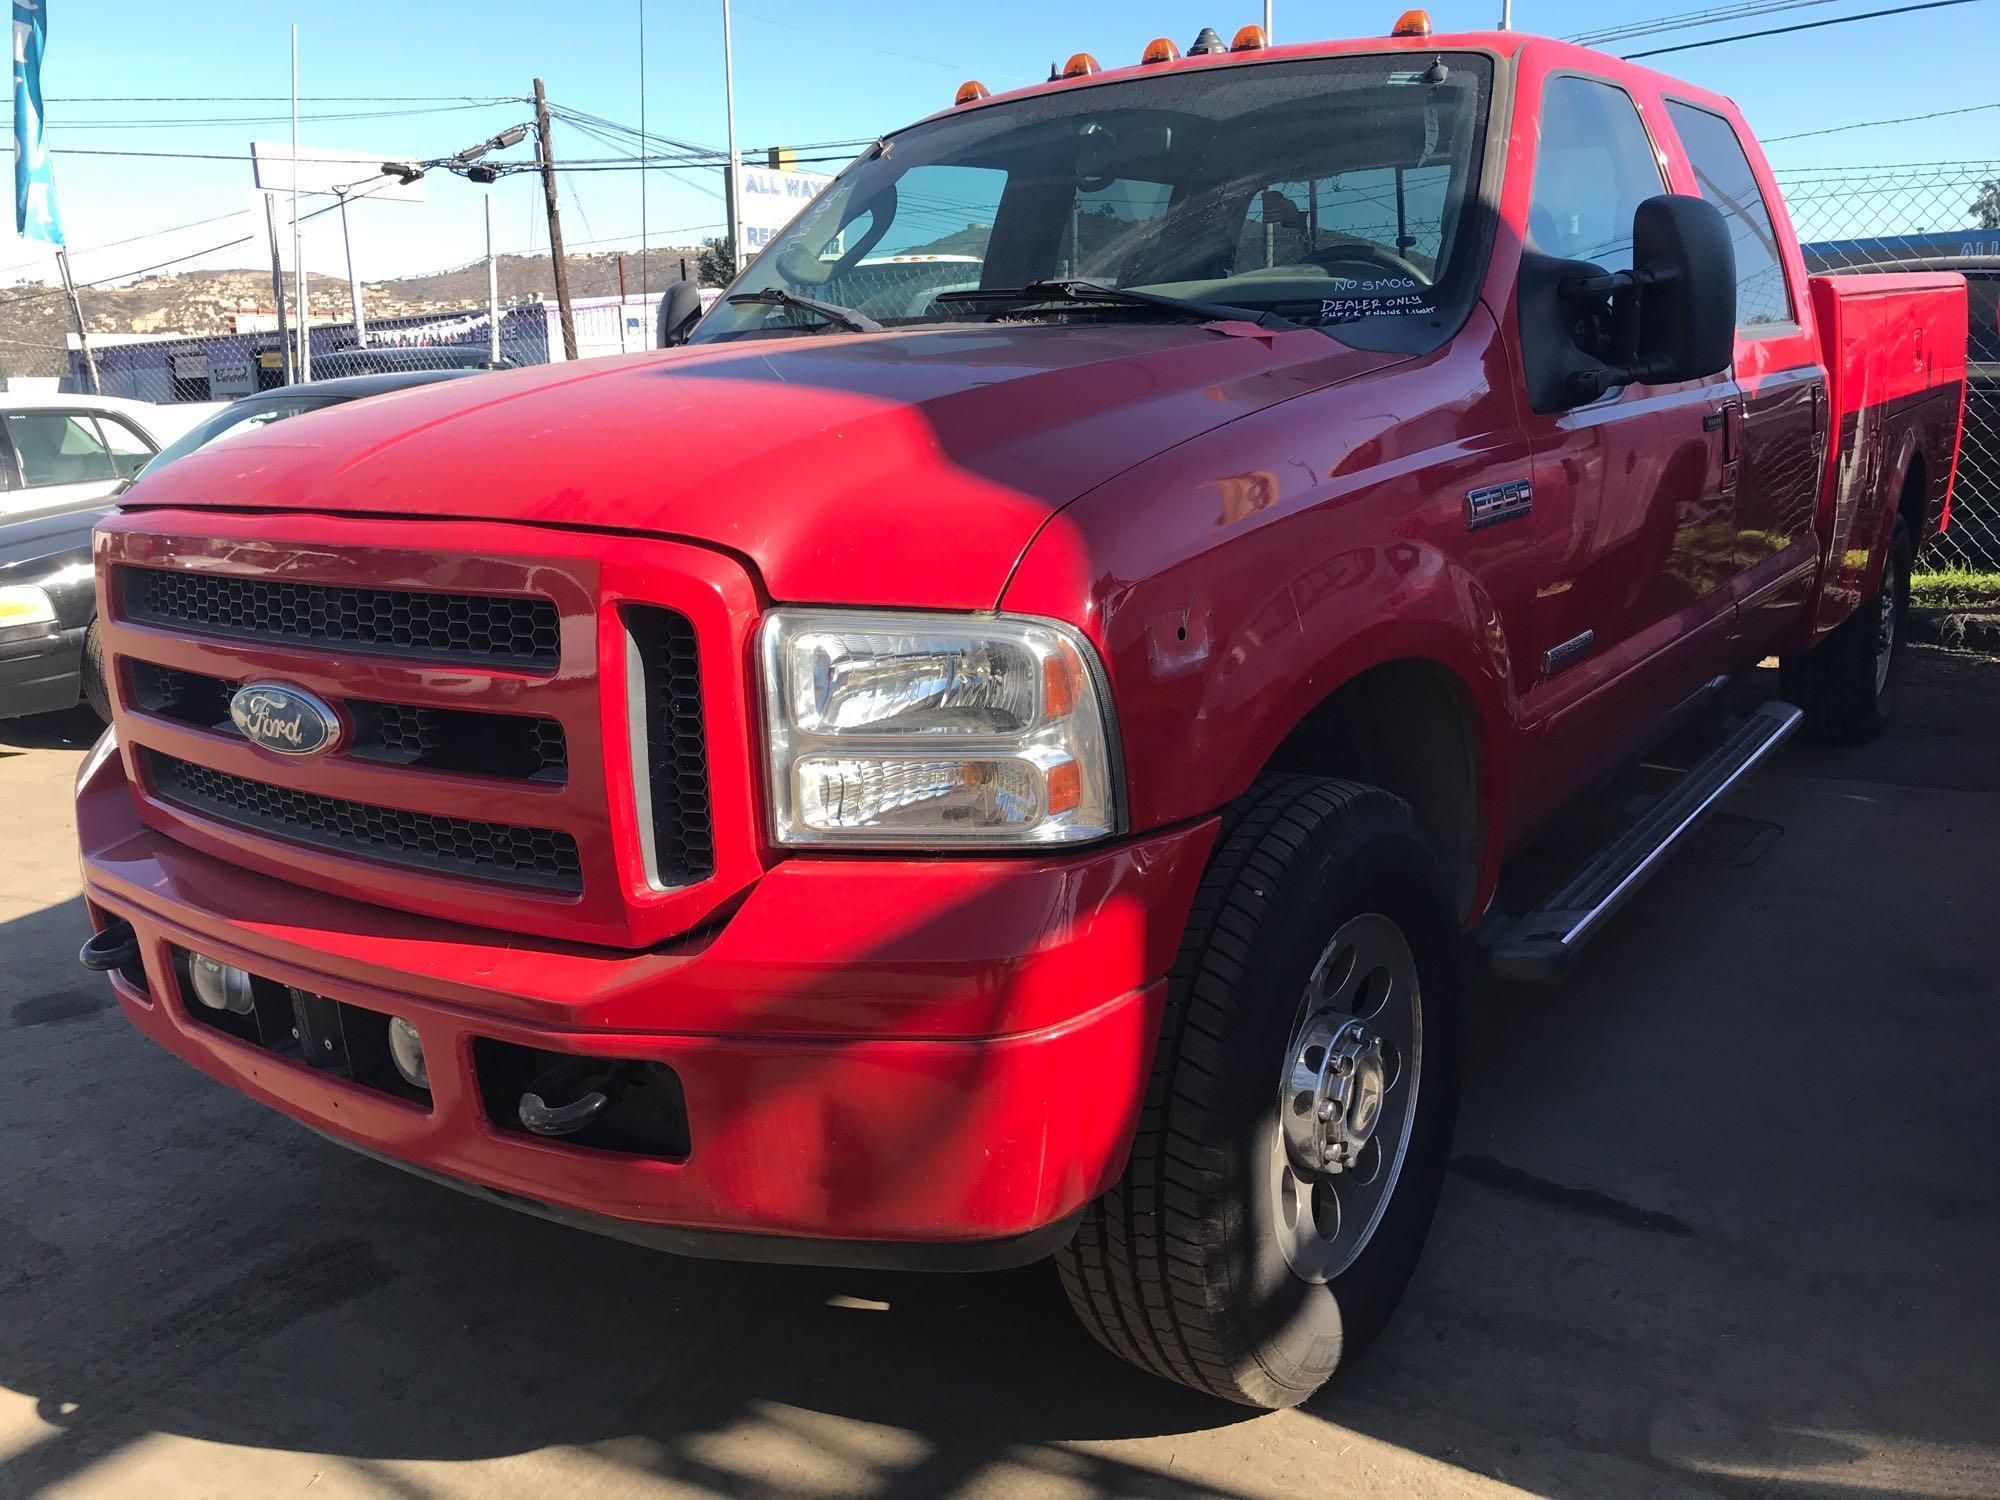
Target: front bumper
(41, 675)
(882, 1059)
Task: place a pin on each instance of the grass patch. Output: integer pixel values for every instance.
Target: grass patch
(1957, 589)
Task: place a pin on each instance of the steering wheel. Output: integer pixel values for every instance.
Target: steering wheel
(1369, 255)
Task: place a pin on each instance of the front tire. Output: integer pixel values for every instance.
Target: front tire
(1299, 1116)
(1847, 683)
(96, 691)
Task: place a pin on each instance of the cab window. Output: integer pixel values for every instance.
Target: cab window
(1595, 166)
(58, 448)
(1722, 171)
(128, 448)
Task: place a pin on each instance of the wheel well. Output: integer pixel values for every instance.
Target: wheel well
(1410, 728)
(1915, 501)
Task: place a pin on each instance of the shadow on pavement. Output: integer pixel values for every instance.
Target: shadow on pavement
(1723, 1221)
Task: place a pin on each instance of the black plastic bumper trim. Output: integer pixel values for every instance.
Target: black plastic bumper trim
(771, 1249)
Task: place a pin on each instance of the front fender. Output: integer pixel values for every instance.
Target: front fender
(1231, 590)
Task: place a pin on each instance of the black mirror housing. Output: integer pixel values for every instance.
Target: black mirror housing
(1585, 331)
(680, 310)
(1687, 310)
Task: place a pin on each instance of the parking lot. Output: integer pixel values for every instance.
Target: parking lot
(1725, 1220)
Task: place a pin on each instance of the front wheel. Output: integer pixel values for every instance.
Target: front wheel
(1299, 1115)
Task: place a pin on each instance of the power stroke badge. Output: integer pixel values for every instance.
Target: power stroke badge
(287, 721)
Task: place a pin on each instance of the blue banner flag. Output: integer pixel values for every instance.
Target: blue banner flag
(35, 213)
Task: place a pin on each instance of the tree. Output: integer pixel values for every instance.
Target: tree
(1986, 207)
(717, 263)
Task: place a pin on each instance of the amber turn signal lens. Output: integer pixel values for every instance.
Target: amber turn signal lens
(1249, 39)
(1413, 23)
(1160, 49)
(970, 92)
(1080, 66)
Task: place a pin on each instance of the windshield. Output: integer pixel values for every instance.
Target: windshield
(232, 420)
(1336, 192)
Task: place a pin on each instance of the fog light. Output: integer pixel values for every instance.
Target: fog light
(220, 986)
(406, 1051)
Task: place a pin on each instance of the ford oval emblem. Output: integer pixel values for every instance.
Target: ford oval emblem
(285, 720)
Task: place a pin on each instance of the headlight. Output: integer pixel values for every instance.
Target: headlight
(902, 730)
(22, 608)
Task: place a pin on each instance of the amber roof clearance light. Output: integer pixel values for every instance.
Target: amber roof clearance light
(1413, 23)
(1249, 39)
(1080, 66)
(1160, 49)
(970, 92)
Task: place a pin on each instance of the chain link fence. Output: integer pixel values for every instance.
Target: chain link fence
(172, 368)
(1939, 216)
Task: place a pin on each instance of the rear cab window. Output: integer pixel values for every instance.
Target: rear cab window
(1722, 172)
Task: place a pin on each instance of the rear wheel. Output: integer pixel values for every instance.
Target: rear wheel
(1300, 1111)
(1846, 684)
(95, 690)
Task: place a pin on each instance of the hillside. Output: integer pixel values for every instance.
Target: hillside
(34, 320)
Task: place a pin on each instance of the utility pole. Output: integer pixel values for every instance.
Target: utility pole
(76, 312)
(278, 282)
(645, 147)
(736, 256)
(555, 222)
(492, 288)
(353, 282)
(305, 364)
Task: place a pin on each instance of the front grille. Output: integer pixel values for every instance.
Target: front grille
(674, 753)
(395, 622)
(403, 734)
(456, 846)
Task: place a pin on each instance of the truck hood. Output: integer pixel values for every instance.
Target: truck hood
(908, 468)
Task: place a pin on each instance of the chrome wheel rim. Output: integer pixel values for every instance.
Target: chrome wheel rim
(1885, 636)
(1347, 1098)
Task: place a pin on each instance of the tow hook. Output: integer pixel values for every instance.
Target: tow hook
(113, 947)
(544, 1118)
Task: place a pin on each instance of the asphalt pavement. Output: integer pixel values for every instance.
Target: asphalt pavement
(1725, 1219)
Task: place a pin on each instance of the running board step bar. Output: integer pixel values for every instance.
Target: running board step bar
(1544, 943)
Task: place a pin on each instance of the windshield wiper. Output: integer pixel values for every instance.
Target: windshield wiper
(833, 312)
(1071, 290)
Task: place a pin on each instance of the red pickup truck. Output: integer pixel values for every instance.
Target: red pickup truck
(997, 743)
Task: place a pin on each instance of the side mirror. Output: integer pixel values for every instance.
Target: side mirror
(680, 310)
(1686, 273)
(1585, 331)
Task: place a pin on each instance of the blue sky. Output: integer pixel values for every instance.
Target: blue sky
(805, 72)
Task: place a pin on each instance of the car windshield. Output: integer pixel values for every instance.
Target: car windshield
(244, 417)
(1336, 192)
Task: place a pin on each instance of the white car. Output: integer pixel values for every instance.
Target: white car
(63, 450)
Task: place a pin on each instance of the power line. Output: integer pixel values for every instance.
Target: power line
(1714, 15)
(276, 98)
(1747, 36)
(150, 234)
(221, 122)
(357, 161)
(163, 264)
(1938, 114)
